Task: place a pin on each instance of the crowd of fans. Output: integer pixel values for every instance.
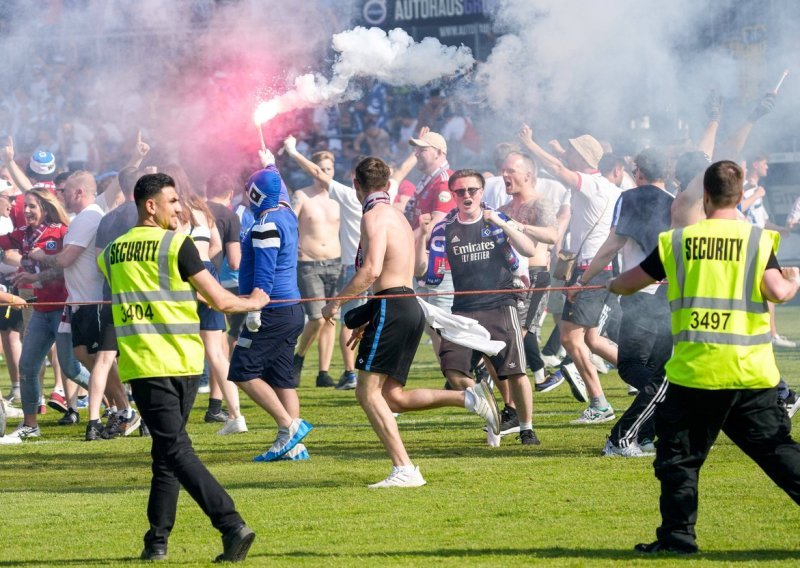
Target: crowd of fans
(63, 154)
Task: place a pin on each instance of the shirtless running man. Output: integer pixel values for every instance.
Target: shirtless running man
(319, 264)
(390, 329)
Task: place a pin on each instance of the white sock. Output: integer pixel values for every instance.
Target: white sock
(525, 426)
(469, 399)
(538, 376)
(59, 390)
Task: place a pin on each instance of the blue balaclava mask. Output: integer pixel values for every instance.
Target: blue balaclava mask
(266, 189)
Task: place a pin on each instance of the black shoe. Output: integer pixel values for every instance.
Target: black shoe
(235, 545)
(70, 417)
(528, 438)
(154, 553)
(94, 430)
(113, 427)
(509, 422)
(144, 431)
(657, 547)
(325, 380)
(480, 372)
(220, 416)
(297, 367)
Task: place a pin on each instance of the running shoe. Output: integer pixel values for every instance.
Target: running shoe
(401, 477)
(287, 439)
(552, 382)
(509, 421)
(595, 416)
(212, 417)
(486, 405)
(630, 451)
(576, 384)
(528, 438)
(298, 453)
(347, 381)
(70, 417)
(324, 380)
(233, 426)
(24, 432)
(94, 430)
(57, 402)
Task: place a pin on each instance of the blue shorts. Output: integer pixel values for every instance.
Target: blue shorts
(268, 354)
(211, 319)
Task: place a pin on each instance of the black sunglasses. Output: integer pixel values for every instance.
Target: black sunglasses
(462, 192)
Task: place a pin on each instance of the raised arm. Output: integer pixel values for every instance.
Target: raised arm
(19, 177)
(552, 164)
(312, 169)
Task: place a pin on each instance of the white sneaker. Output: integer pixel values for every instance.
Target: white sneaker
(233, 426)
(2, 418)
(631, 451)
(551, 360)
(576, 384)
(781, 341)
(401, 478)
(594, 416)
(23, 431)
(632, 390)
(9, 441)
(486, 406)
(600, 364)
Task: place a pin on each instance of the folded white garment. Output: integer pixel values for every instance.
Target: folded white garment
(460, 330)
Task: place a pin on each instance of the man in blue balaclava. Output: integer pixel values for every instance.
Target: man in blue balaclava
(262, 360)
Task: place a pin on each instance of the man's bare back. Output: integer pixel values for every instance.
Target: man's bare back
(687, 208)
(318, 223)
(387, 236)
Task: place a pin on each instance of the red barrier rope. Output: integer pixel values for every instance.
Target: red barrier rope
(348, 298)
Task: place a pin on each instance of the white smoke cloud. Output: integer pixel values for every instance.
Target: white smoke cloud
(393, 58)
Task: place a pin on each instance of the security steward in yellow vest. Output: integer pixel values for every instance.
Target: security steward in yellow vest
(154, 274)
(722, 374)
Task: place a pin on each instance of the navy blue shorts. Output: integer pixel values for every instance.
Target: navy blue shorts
(211, 319)
(269, 353)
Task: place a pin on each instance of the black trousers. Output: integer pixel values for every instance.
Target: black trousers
(645, 346)
(164, 404)
(687, 424)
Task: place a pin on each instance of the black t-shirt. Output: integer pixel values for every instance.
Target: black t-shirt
(642, 213)
(189, 262)
(477, 263)
(654, 268)
(229, 227)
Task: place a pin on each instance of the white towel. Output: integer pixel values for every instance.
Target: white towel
(461, 330)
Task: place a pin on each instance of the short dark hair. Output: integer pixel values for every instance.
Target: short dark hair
(372, 174)
(724, 183)
(150, 185)
(757, 157)
(652, 164)
(608, 162)
(458, 174)
(219, 185)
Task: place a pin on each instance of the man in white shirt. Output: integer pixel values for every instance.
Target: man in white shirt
(593, 199)
(349, 236)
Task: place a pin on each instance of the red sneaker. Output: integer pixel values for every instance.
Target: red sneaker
(57, 402)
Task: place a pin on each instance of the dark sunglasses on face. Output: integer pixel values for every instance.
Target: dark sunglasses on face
(462, 192)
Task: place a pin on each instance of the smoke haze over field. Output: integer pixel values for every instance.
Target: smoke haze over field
(566, 67)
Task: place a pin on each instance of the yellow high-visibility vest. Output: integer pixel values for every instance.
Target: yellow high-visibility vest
(720, 320)
(155, 311)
